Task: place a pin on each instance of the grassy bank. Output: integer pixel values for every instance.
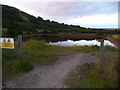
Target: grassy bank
(93, 76)
(117, 36)
(38, 52)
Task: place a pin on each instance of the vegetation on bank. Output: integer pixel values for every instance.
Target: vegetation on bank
(92, 76)
(15, 22)
(117, 36)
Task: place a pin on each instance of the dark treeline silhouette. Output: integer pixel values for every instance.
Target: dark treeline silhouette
(16, 22)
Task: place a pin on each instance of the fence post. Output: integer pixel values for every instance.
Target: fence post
(20, 47)
(102, 52)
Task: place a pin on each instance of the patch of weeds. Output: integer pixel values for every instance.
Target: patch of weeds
(110, 49)
(90, 49)
(23, 66)
(90, 76)
(79, 74)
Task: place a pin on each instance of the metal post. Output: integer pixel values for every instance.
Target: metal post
(20, 47)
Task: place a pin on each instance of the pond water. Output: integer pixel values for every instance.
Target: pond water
(73, 41)
(81, 43)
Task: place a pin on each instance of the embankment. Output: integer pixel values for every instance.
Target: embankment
(114, 40)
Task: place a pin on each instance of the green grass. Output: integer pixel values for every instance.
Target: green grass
(86, 76)
(23, 66)
(14, 68)
(38, 52)
(111, 49)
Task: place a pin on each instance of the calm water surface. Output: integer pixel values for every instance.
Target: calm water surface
(81, 43)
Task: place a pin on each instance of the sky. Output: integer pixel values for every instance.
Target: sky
(87, 13)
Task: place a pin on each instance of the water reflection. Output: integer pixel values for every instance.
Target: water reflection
(81, 43)
(58, 38)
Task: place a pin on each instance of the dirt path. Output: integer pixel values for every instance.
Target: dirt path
(50, 76)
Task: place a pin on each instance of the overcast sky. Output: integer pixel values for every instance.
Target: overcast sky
(86, 14)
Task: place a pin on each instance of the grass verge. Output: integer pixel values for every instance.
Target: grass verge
(93, 76)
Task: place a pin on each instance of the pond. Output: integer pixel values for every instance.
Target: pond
(81, 43)
(73, 41)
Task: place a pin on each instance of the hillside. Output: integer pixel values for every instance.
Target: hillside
(16, 22)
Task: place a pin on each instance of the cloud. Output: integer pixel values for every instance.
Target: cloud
(89, 14)
(96, 20)
(65, 8)
(73, 8)
(61, 0)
